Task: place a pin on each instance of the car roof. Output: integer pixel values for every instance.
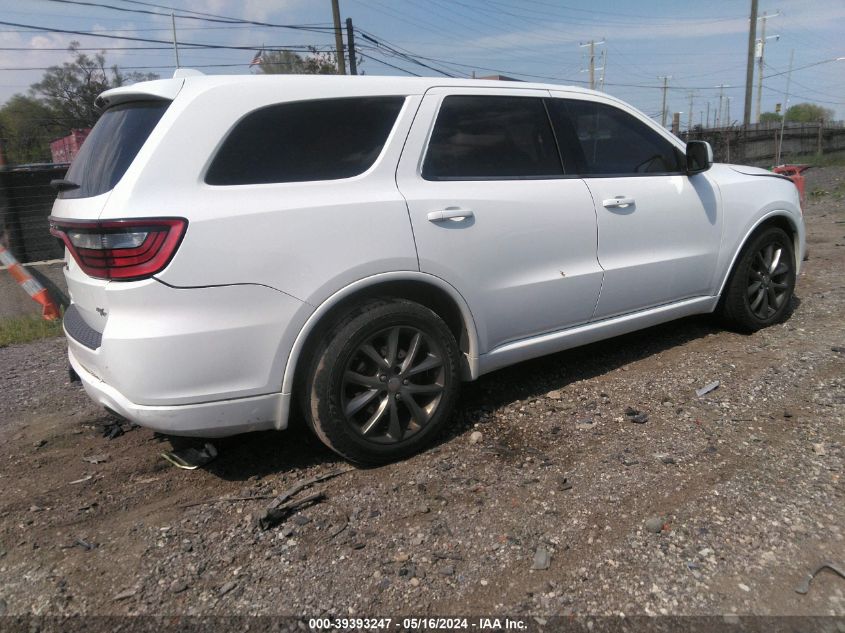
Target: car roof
(328, 85)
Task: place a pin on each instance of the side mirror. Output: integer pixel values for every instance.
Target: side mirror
(699, 157)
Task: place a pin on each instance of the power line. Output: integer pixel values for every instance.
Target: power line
(819, 63)
(410, 58)
(387, 64)
(204, 17)
(228, 65)
(199, 45)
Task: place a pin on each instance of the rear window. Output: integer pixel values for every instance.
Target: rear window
(112, 146)
(302, 141)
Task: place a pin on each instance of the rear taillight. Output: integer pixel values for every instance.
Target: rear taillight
(121, 249)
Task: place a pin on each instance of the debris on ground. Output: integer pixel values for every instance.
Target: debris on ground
(115, 427)
(81, 543)
(274, 516)
(177, 586)
(804, 585)
(81, 480)
(636, 416)
(191, 458)
(475, 437)
(282, 507)
(125, 594)
(96, 459)
(542, 559)
(712, 386)
(819, 449)
(654, 525)
(226, 588)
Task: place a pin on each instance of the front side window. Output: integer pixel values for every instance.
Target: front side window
(302, 141)
(491, 137)
(601, 140)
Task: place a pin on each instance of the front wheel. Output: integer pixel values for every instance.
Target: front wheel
(760, 289)
(383, 383)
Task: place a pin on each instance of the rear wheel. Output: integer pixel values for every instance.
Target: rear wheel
(383, 383)
(759, 292)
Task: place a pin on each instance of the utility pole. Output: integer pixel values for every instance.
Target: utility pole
(785, 108)
(592, 44)
(759, 52)
(338, 39)
(350, 38)
(749, 69)
(728, 110)
(603, 67)
(175, 43)
(689, 117)
(708, 114)
(721, 88)
(665, 79)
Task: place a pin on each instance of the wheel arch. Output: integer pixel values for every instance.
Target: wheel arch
(777, 218)
(427, 290)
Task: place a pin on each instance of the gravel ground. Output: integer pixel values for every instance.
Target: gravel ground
(544, 497)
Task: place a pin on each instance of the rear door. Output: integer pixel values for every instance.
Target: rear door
(659, 229)
(494, 214)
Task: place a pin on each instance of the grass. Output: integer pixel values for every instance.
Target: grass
(28, 328)
(832, 159)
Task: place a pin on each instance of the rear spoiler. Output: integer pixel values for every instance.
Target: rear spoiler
(160, 89)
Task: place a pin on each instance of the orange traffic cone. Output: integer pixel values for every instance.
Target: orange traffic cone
(39, 294)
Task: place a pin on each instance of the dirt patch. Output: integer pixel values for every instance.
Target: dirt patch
(717, 504)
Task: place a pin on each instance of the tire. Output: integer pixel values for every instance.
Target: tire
(759, 290)
(383, 383)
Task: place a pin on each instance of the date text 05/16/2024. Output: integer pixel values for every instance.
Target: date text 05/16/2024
(426, 623)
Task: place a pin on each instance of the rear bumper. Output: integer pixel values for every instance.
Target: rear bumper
(207, 419)
(185, 361)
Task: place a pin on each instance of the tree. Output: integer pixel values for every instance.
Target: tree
(69, 90)
(770, 117)
(27, 126)
(63, 100)
(289, 63)
(808, 113)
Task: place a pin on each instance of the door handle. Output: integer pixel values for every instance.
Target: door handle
(450, 213)
(618, 201)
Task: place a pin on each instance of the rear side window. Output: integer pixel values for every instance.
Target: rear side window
(112, 146)
(305, 141)
(491, 137)
(598, 139)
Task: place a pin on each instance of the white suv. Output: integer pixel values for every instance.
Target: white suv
(363, 244)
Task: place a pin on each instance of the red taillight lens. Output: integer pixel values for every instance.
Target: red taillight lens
(121, 249)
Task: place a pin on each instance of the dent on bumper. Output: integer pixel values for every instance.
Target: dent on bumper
(207, 419)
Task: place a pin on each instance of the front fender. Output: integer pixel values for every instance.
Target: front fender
(799, 240)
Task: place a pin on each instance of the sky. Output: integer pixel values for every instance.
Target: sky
(699, 46)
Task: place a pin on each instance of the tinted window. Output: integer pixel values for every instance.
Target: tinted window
(305, 140)
(491, 137)
(598, 139)
(112, 146)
